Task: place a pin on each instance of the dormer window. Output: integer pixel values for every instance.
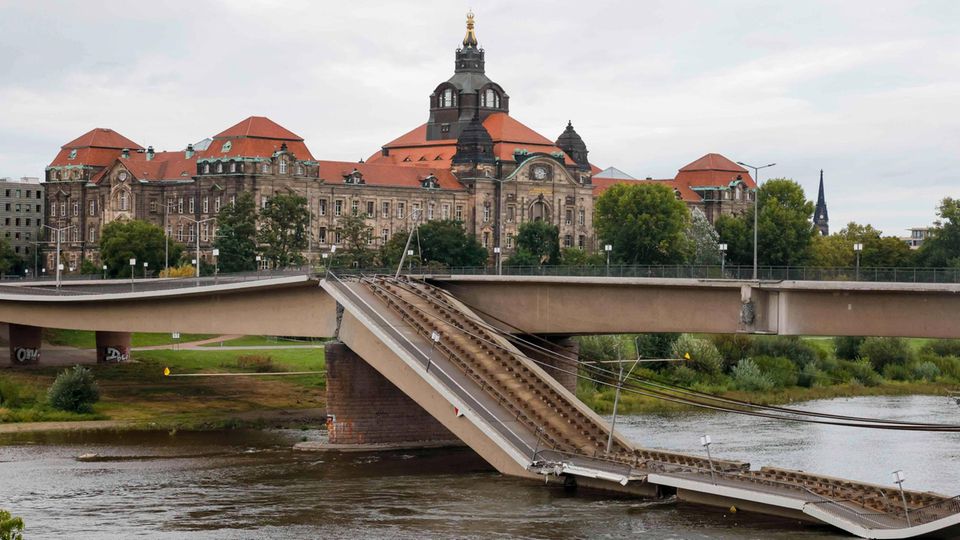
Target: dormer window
(355, 177)
(490, 99)
(430, 182)
(447, 98)
(206, 168)
(226, 147)
(73, 154)
(219, 167)
(233, 166)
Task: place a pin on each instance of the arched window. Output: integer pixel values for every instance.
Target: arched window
(446, 98)
(124, 201)
(490, 98)
(219, 167)
(206, 168)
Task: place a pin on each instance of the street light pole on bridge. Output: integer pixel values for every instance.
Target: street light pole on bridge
(756, 207)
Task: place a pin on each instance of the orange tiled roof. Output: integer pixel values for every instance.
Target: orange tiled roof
(254, 147)
(96, 157)
(713, 170)
(508, 134)
(260, 127)
(378, 174)
(97, 147)
(163, 166)
(102, 138)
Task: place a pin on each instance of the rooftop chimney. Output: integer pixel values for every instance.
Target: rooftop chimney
(189, 152)
(125, 153)
(149, 153)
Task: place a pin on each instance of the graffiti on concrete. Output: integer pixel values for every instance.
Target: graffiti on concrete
(26, 355)
(115, 355)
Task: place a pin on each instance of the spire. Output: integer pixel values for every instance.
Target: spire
(470, 40)
(821, 219)
(570, 142)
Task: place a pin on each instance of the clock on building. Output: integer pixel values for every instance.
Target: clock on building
(540, 172)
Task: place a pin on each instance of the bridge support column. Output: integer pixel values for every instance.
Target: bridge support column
(364, 408)
(24, 344)
(562, 360)
(113, 347)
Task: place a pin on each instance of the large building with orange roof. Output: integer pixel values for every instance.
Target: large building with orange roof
(471, 161)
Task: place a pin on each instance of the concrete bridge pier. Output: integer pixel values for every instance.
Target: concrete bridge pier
(24, 344)
(112, 347)
(561, 369)
(366, 409)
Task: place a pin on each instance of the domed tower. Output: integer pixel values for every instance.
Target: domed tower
(570, 142)
(468, 93)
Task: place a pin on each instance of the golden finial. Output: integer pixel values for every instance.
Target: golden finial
(470, 40)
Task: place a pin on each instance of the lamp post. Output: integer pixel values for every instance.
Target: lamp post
(898, 479)
(145, 265)
(104, 271)
(133, 268)
(723, 260)
(197, 223)
(756, 207)
(216, 263)
(409, 261)
(706, 442)
(496, 251)
(435, 339)
(608, 248)
(857, 248)
(258, 266)
(59, 232)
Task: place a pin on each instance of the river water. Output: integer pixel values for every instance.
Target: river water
(250, 484)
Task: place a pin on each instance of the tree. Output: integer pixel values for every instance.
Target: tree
(703, 240)
(125, 240)
(446, 242)
(785, 230)
(357, 237)
(645, 223)
(392, 251)
(541, 240)
(11, 527)
(283, 229)
(10, 262)
(837, 249)
(577, 257)
(942, 248)
(237, 235)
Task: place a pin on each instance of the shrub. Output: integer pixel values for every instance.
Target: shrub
(862, 372)
(9, 393)
(811, 376)
(182, 271)
(747, 376)
(74, 390)
(847, 347)
(732, 347)
(885, 350)
(658, 345)
(682, 376)
(703, 354)
(897, 372)
(944, 347)
(795, 349)
(949, 366)
(259, 364)
(11, 527)
(781, 371)
(927, 371)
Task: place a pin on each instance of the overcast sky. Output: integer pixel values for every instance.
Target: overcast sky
(869, 91)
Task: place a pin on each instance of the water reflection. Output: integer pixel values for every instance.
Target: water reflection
(243, 484)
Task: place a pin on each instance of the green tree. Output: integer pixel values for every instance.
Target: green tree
(283, 229)
(392, 251)
(577, 257)
(125, 240)
(837, 249)
(645, 223)
(942, 248)
(446, 242)
(10, 262)
(11, 527)
(541, 240)
(357, 236)
(237, 235)
(703, 240)
(784, 230)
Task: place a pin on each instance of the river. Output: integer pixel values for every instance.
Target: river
(250, 484)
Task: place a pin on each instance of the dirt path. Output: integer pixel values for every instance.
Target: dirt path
(189, 344)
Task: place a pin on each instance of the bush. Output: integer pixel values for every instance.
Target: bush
(949, 366)
(862, 372)
(943, 347)
(811, 376)
(9, 393)
(703, 354)
(11, 527)
(74, 390)
(748, 376)
(927, 371)
(658, 345)
(732, 347)
(780, 370)
(182, 271)
(897, 372)
(682, 376)
(795, 349)
(885, 350)
(847, 347)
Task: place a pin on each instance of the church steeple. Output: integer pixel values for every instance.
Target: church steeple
(821, 220)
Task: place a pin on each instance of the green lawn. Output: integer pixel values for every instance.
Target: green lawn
(86, 339)
(270, 341)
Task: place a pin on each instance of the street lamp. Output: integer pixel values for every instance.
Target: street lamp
(706, 442)
(104, 271)
(756, 207)
(197, 223)
(857, 248)
(133, 266)
(410, 261)
(608, 248)
(898, 479)
(59, 232)
(145, 264)
(496, 251)
(216, 263)
(723, 259)
(258, 265)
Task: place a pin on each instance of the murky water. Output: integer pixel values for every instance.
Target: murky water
(249, 484)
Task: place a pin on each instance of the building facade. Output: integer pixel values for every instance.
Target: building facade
(21, 212)
(470, 161)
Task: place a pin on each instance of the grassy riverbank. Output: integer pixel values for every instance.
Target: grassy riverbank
(137, 394)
